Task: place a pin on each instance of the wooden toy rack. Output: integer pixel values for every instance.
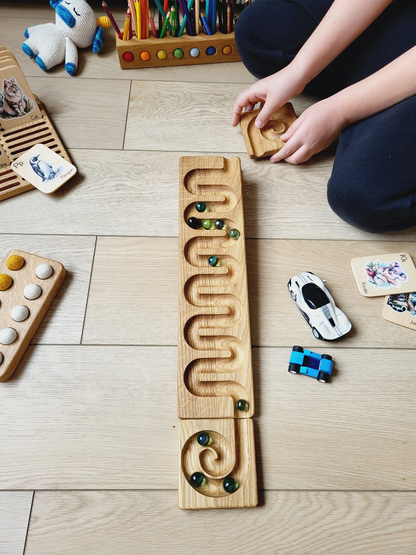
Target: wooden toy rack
(14, 142)
(131, 52)
(215, 379)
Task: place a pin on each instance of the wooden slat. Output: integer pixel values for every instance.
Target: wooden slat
(86, 114)
(105, 523)
(134, 287)
(14, 521)
(64, 321)
(106, 65)
(138, 196)
(105, 418)
(198, 113)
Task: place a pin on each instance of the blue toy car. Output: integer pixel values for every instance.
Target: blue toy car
(312, 364)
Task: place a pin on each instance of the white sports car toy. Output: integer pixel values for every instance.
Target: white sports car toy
(317, 306)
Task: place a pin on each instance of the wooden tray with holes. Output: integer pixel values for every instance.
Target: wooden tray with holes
(222, 466)
(15, 296)
(140, 53)
(14, 142)
(215, 378)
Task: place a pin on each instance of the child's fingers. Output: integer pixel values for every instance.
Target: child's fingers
(289, 148)
(301, 155)
(249, 96)
(246, 96)
(266, 113)
(290, 132)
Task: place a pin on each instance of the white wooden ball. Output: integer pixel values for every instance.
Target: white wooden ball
(44, 271)
(32, 291)
(20, 313)
(8, 336)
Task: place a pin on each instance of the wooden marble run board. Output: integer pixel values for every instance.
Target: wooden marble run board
(177, 51)
(23, 124)
(228, 453)
(215, 368)
(28, 285)
(266, 142)
(215, 381)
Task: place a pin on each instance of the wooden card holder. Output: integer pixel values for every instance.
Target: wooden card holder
(131, 52)
(13, 296)
(14, 142)
(266, 142)
(214, 358)
(229, 454)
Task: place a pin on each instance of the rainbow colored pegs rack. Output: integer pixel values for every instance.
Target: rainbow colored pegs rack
(177, 51)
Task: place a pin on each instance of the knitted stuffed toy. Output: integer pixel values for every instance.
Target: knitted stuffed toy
(75, 26)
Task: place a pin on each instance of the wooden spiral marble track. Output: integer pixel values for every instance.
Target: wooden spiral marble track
(215, 379)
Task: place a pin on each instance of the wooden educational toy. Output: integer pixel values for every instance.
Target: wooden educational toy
(266, 142)
(215, 378)
(384, 274)
(217, 467)
(401, 309)
(28, 285)
(177, 51)
(23, 124)
(215, 381)
(44, 168)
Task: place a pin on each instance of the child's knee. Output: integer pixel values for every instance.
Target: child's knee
(349, 201)
(266, 35)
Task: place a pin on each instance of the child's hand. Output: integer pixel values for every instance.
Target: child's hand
(273, 92)
(312, 132)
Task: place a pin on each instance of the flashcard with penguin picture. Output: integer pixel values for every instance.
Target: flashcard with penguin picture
(43, 168)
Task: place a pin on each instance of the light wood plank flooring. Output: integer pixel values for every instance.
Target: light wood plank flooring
(88, 422)
(15, 507)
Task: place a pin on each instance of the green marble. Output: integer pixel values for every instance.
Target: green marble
(197, 479)
(201, 207)
(242, 405)
(206, 224)
(230, 485)
(203, 438)
(234, 233)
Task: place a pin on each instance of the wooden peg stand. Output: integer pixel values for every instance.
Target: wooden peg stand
(169, 44)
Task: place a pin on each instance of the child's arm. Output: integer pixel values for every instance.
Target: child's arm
(343, 23)
(320, 124)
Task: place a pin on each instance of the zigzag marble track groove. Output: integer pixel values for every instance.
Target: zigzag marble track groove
(214, 330)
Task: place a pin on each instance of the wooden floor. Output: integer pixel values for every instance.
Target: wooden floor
(88, 441)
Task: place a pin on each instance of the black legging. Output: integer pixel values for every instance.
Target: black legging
(373, 181)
